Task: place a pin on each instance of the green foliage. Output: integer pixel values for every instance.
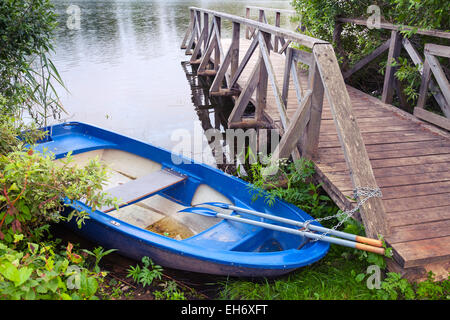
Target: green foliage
(356, 42)
(37, 272)
(27, 74)
(32, 186)
(144, 275)
(98, 253)
(292, 182)
(170, 292)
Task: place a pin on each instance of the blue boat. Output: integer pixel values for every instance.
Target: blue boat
(154, 185)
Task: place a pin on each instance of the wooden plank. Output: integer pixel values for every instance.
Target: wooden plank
(207, 56)
(271, 76)
(244, 62)
(371, 138)
(416, 189)
(416, 253)
(301, 39)
(438, 50)
(217, 82)
(372, 211)
(417, 59)
(264, 74)
(142, 187)
(393, 162)
(302, 56)
(296, 127)
(418, 202)
(336, 174)
(188, 30)
(441, 79)
(244, 97)
(425, 81)
(329, 129)
(390, 26)
(310, 140)
(420, 231)
(332, 155)
(403, 180)
(389, 78)
(388, 147)
(373, 55)
(412, 217)
(432, 117)
(235, 51)
(286, 75)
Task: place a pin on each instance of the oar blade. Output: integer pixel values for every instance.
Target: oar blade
(215, 204)
(201, 210)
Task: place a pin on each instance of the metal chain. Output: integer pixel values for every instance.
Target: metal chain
(362, 194)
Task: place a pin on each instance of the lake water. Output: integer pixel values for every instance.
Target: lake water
(123, 69)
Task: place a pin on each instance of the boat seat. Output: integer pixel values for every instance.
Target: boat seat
(143, 187)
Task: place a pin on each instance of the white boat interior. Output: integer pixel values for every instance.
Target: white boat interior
(155, 213)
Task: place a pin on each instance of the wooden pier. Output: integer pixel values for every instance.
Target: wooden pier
(354, 139)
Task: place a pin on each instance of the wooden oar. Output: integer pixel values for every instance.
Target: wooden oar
(211, 213)
(345, 235)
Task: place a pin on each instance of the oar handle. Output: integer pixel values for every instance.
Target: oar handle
(345, 235)
(368, 248)
(369, 241)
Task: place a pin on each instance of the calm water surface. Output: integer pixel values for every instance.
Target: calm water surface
(123, 66)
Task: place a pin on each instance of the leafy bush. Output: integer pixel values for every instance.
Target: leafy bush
(32, 186)
(37, 272)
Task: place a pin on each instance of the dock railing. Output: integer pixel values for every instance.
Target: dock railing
(439, 90)
(301, 131)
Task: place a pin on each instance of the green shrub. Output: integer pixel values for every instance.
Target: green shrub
(37, 272)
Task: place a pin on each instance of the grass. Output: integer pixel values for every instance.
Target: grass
(332, 278)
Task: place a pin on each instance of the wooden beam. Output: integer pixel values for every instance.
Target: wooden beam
(433, 118)
(216, 85)
(441, 79)
(244, 62)
(438, 50)
(206, 57)
(389, 76)
(263, 39)
(188, 31)
(390, 26)
(423, 91)
(244, 97)
(417, 59)
(261, 89)
(372, 211)
(286, 75)
(310, 141)
(235, 52)
(373, 55)
(294, 131)
(299, 38)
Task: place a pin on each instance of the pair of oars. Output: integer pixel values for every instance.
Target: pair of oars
(346, 239)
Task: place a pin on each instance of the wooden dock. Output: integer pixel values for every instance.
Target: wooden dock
(355, 140)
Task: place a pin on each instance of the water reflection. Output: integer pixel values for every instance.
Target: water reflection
(122, 67)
